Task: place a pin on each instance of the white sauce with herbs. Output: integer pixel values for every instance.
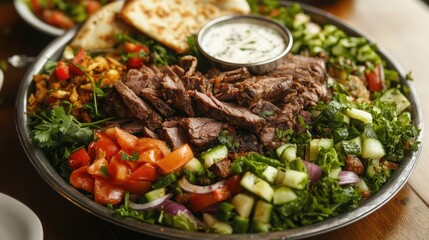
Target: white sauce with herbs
(243, 43)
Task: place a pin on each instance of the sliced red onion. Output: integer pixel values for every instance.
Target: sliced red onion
(189, 187)
(313, 170)
(174, 209)
(347, 177)
(152, 204)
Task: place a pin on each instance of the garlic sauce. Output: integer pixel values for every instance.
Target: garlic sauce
(243, 42)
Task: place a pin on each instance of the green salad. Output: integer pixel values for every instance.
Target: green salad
(340, 151)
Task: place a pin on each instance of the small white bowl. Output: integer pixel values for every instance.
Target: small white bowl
(25, 13)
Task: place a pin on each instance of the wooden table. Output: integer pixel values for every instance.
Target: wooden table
(400, 26)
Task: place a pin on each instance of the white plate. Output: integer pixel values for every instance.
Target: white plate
(17, 221)
(1, 78)
(29, 17)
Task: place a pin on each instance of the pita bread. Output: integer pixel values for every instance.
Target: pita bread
(98, 31)
(171, 22)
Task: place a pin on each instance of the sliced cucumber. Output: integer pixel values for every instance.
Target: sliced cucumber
(260, 227)
(240, 224)
(370, 167)
(295, 179)
(360, 115)
(194, 165)
(405, 119)
(155, 194)
(214, 155)
(283, 195)
(270, 173)
(334, 173)
(316, 144)
(257, 186)
(362, 186)
(395, 96)
(289, 153)
(243, 204)
(262, 211)
(372, 148)
(346, 119)
(216, 225)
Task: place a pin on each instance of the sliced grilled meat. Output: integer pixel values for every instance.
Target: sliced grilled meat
(174, 93)
(138, 107)
(202, 132)
(229, 112)
(155, 98)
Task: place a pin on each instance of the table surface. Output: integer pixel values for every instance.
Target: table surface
(399, 26)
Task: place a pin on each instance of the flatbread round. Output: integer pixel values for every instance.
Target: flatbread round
(171, 22)
(98, 32)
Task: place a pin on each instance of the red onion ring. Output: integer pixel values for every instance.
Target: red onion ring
(348, 177)
(187, 186)
(314, 171)
(152, 204)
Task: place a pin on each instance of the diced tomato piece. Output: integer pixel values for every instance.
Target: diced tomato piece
(137, 187)
(176, 159)
(197, 202)
(110, 132)
(106, 192)
(76, 61)
(57, 18)
(98, 168)
(233, 184)
(130, 47)
(78, 159)
(92, 6)
(221, 194)
(135, 62)
(62, 71)
(151, 155)
(375, 78)
(118, 171)
(36, 6)
(81, 179)
(126, 140)
(146, 172)
(149, 143)
(104, 143)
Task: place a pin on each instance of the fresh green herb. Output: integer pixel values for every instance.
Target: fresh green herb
(103, 170)
(247, 49)
(280, 134)
(165, 181)
(49, 66)
(409, 76)
(134, 157)
(226, 138)
(266, 114)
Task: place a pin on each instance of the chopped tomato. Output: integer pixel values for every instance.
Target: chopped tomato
(197, 202)
(77, 60)
(148, 143)
(57, 18)
(233, 184)
(135, 62)
(104, 143)
(147, 172)
(36, 6)
(99, 168)
(110, 132)
(62, 71)
(151, 155)
(130, 47)
(92, 6)
(126, 140)
(375, 78)
(221, 194)
(176, 159)
(81, 179)
(118, 171)
(107, 193)
(137, 187)
(78, 159)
